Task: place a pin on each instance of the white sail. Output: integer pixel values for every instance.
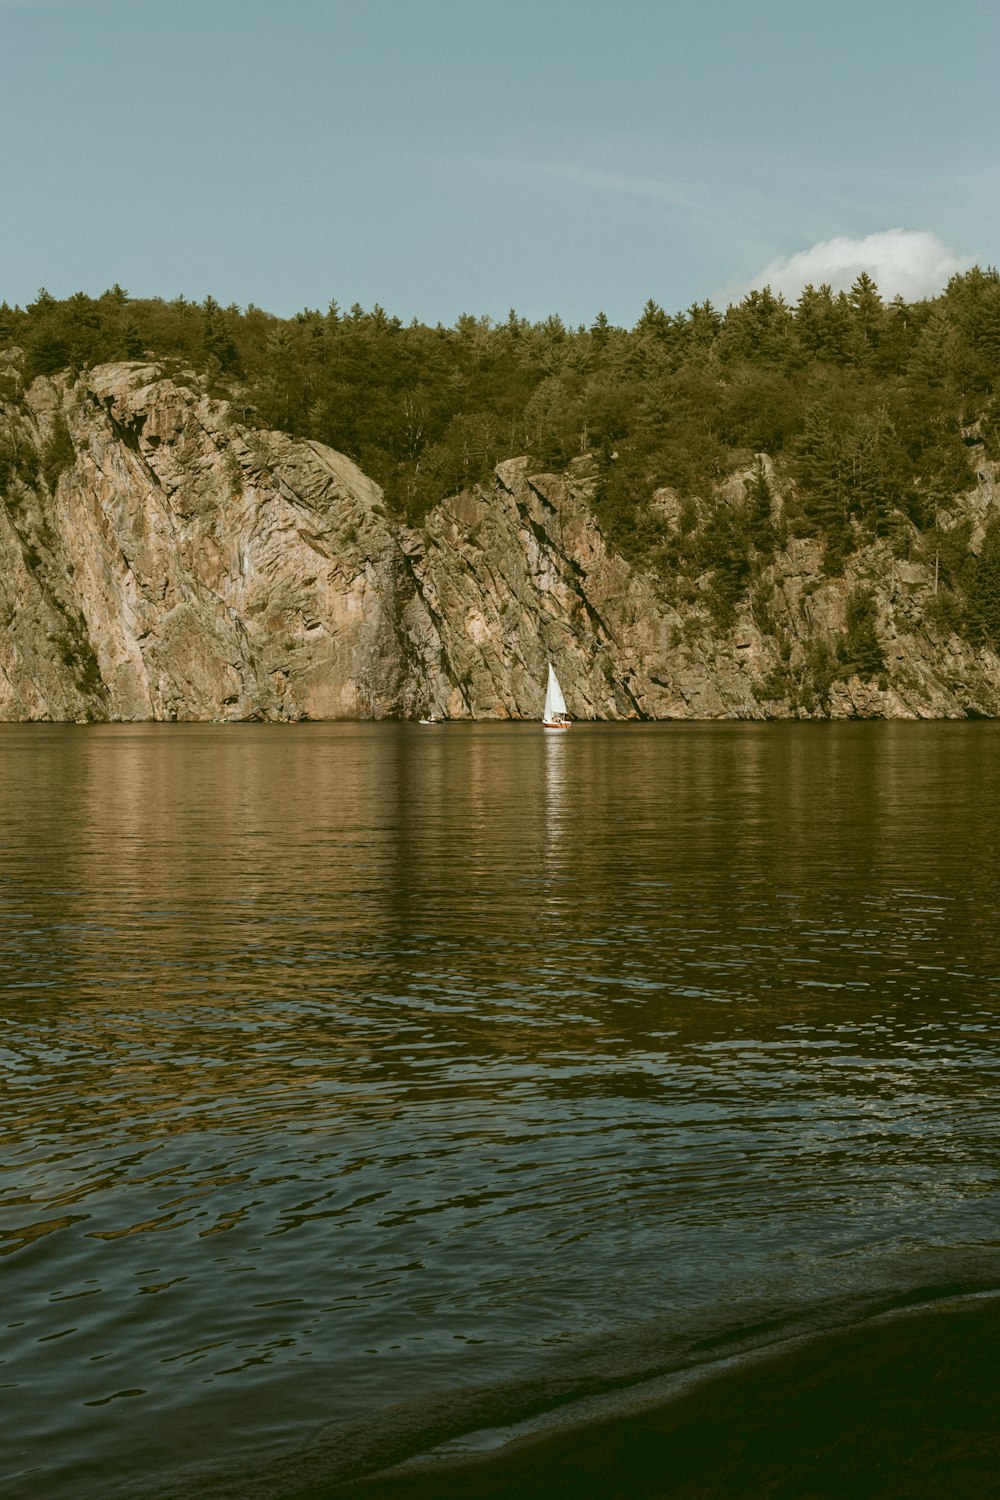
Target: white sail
(555, 703)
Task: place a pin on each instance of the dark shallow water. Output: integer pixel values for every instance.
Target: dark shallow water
(365, 1085)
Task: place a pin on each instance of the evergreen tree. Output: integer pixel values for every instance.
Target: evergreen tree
(600, 329)
(58, 452)
(653, 321)
(982, 585)
(867, 317)
(7, 324)
(823, 324)
(860, 650)
(818, 467)
(986, 332)
(758, 507)
(216, 335)
(758, 329)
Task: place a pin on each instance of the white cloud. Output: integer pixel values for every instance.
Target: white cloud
(910, 263)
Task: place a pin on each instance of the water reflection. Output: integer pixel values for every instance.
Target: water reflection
(346, 1063)
(557, 810)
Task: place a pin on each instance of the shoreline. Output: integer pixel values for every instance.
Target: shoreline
(903, 1406)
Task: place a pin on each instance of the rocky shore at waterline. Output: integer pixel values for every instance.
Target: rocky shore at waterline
(161, 559)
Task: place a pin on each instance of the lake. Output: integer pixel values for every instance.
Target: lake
(372, 1087)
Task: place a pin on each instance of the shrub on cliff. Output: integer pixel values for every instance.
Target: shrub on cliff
(58, 452)
(859, 649)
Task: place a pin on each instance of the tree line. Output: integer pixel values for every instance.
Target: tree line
(870, 406)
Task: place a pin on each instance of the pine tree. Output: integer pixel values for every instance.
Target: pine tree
(216, 335)
(758, 506)
(860, 649)
(600, 329)
(982, 585)
(867, 317)
(654, 321)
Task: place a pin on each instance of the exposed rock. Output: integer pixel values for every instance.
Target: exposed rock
(174, 564)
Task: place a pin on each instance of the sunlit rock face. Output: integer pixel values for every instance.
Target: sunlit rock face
(160, 559)
(216, 572)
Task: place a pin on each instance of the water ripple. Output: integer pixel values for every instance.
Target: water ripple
(343, 1068)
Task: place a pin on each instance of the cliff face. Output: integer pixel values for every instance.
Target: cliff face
(160, 560)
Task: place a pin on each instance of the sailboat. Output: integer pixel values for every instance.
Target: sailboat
(554, 715)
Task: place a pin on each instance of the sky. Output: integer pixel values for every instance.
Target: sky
(441, 157)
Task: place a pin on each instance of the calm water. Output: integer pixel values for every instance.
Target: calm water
(366, 1085)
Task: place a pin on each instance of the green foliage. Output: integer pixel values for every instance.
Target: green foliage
(734, 544)
(725, 549)
(820, 672)
(823, 325)
(217, 343)
(804, 683)
(948, 551)
(859, 650)
(470, 446)
(760, 330)
(622, 495)
(851, 468)
(76, 652)
(982, 587)
(869, 411)
(58, 452)
(863, 402)
(944, 611)
(7, 325)
(759, 525)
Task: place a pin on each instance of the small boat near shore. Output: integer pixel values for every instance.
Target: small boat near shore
(554, 715)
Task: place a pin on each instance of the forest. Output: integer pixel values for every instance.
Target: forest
(869, 408)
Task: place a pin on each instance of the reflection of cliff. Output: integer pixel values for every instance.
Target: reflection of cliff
(212, 930)
(174, 564)
(185, 897)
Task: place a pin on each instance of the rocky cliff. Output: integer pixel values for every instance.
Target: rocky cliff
(161, 559)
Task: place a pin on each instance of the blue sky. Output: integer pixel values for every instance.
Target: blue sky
(449, 156)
